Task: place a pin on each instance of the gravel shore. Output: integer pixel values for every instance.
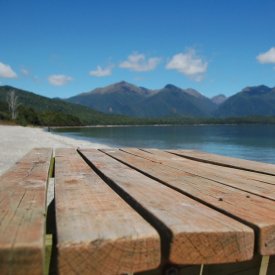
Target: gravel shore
(16, 141)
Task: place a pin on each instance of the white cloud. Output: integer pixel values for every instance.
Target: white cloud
(138, 62)
(101, 72)
(6, 71)
(267, 57)
(189, 64)
(59, 79)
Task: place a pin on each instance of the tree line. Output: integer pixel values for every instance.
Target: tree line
(15, 111)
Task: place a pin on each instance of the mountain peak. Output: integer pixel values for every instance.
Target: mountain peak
(188, 91)
(251, 101)
(170, 86)
(219, 99)
(119, 91)
(122, 83)
(119, 87)
(261, 89)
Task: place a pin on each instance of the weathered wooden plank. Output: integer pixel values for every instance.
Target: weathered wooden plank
(97, 231)
(23, 192)
(245, 174)
(249, 208)
(229, 176)
(265, 168)
(198, 234)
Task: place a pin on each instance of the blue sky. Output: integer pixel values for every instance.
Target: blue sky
(61, 48)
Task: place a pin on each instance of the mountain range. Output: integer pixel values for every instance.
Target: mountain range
(127, 99)
(125, 103)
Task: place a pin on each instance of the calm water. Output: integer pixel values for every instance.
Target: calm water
(254, 142)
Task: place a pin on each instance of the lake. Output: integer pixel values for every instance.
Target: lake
(254, 142)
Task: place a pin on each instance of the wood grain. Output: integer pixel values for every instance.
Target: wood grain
(244, 173)
(97, 231)
(244, 180)
(199, 234)
(23, 191)
(251, 209)
(248, 165)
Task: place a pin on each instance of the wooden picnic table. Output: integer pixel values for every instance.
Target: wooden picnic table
(145, 211)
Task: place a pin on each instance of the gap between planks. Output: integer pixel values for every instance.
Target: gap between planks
(219, 160)
(223, 175)
(98, 232)
(177, 180)
(141, 188)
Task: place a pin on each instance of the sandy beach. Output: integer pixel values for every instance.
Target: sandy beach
(16, 141)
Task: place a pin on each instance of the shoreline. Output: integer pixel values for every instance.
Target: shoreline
(16, 141)
(154, 125)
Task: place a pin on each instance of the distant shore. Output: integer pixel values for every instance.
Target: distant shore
(16, 141)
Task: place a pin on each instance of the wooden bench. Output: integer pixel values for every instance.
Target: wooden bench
(125, 211)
